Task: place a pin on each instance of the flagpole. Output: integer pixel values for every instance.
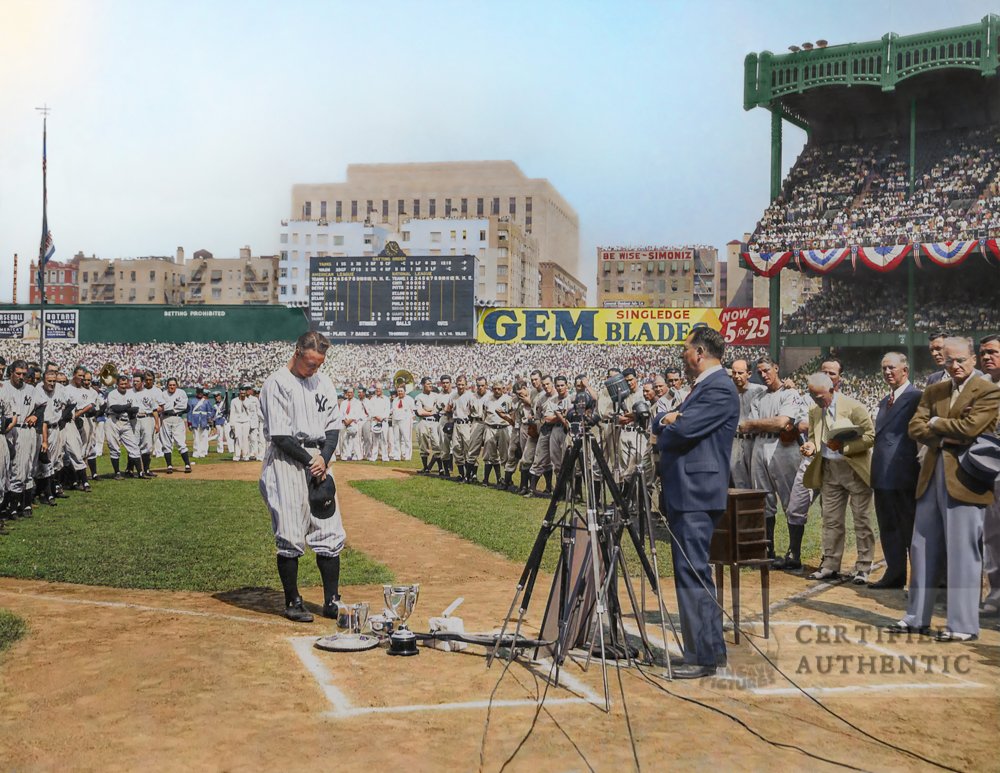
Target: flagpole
(45, 237)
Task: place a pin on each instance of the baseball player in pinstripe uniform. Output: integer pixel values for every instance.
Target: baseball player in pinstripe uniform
(298, 405)
(77, 431)
(173, 428)
(121, 426)
(148, 422)
(21, 439)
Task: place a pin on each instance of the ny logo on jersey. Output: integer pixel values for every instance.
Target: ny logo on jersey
(321, 403)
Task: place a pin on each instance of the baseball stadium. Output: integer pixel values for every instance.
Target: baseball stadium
(477, 604)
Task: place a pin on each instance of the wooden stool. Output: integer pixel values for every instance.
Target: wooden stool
(740, 540)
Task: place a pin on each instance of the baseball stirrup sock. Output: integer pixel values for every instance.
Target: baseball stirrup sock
(185, 458)
(288, 571)
(92, 464)
(145, 462)
(114, 465)
(769, 524)
(168, 458)
(329, 570)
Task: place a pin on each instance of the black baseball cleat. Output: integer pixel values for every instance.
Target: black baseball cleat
(187, 468)
(296, 611)
(170, 470)
(85, 487)
(118, 476)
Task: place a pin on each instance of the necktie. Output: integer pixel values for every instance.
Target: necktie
(892, 399)
(400, 405)
(348, 409)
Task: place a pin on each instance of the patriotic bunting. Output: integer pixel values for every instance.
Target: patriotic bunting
(767, 263)
(822, 261)
(884, 258)
(949, 253)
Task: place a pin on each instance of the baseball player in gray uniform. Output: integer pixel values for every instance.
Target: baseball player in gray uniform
(519, 413)
(444, 400)
(121, 427)
(465, 409)
(173, 427)
(298, 405)
(775, 460)
(428, 429)
(739, 466)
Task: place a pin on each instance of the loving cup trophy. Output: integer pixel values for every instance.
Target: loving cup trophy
(400, 600)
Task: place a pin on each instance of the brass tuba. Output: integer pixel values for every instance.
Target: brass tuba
(109, 374)
(405, 378)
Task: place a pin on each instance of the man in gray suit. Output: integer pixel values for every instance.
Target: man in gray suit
(950, 502)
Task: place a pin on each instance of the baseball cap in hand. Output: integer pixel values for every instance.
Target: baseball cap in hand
(322, 496)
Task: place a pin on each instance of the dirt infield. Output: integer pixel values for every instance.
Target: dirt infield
(109, 679)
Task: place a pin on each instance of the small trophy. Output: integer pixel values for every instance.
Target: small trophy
(401, 599)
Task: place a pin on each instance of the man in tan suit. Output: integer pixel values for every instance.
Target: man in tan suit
(950, 503)
(841, 470)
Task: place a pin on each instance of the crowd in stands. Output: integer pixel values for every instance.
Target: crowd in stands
(947, 301)
(857, 193)
(212, 364)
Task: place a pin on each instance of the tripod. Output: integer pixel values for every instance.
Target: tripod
(591, 517)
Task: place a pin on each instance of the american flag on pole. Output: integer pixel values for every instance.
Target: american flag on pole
(47, 248)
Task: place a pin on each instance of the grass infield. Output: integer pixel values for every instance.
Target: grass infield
(509, 524)
(168, 533)
(12, 628)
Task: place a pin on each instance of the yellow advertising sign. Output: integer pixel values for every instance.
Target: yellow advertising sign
(646, 327)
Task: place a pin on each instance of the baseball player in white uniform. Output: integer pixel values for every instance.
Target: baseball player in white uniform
(378, 410)
(256, 425)
(173, 427)
(401, 414)
(298, 405)
(352, 412)
(240, 420)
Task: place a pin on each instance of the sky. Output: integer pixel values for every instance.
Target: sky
(186, 123)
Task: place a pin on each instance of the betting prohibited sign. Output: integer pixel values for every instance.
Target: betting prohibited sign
(745, 327)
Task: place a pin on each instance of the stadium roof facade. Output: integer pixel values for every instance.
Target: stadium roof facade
(819, 88)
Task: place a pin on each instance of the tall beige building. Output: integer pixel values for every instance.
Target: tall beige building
(392, 193)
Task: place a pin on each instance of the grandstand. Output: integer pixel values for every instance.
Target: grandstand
(895, 198)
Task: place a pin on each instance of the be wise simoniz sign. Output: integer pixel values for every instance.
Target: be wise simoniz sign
(620, 326)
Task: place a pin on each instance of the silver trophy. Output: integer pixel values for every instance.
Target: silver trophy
(401, 599)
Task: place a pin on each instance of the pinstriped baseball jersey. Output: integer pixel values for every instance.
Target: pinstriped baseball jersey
(303, 408)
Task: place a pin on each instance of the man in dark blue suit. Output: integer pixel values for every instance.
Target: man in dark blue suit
(895, 469)
(695, 442)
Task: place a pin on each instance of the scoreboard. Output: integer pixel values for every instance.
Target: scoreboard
(398, 297)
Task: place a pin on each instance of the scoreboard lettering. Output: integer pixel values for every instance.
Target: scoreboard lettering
(400, 297)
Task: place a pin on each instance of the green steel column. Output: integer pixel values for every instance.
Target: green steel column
(911, 264)
(774, 286)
